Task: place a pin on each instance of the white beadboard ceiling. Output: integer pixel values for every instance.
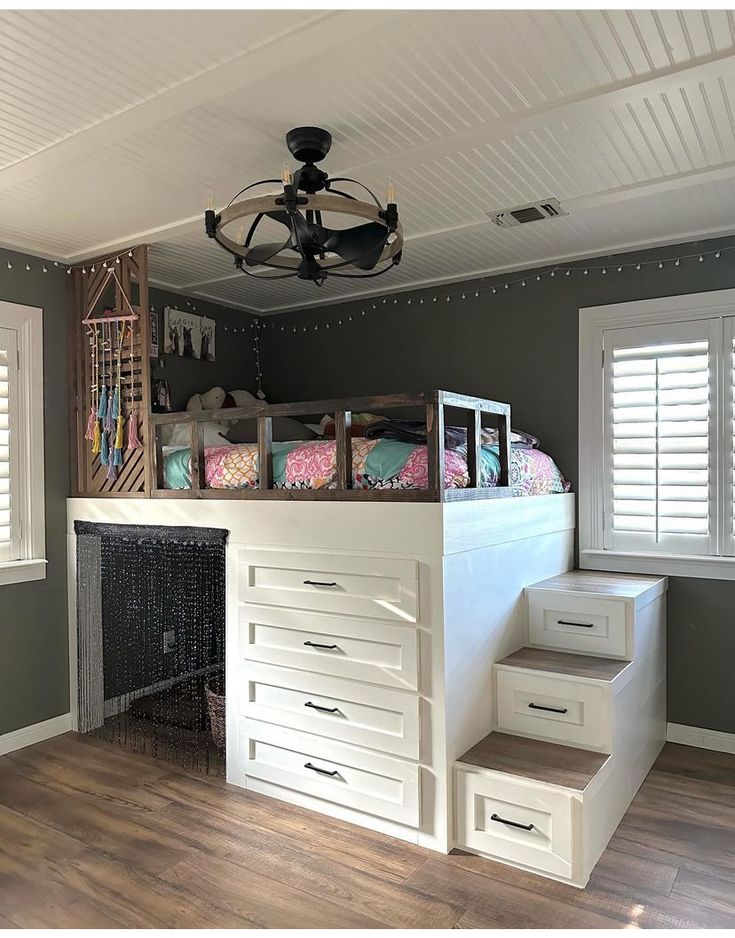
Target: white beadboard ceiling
(115, 124)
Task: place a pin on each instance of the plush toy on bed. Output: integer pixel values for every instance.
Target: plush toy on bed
(224, 432)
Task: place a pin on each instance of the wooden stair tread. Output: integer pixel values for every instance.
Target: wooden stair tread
(615, 585)
(550, 763)
(562, 662)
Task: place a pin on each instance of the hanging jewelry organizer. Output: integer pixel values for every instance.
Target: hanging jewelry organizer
(111, 384)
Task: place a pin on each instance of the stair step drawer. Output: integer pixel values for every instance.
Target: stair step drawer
(377, 717)
(376, 652)
(585, 624)
(366, 781)
(557, 709)
(348, 584)
(520, 822)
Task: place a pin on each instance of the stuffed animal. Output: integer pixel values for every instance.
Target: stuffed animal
(213, 431)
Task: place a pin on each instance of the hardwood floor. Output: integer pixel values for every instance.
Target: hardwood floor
(95, 836)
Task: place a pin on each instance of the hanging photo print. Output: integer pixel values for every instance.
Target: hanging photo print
(188, 335)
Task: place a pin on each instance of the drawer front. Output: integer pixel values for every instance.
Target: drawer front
(361, 650)
(377, 717)
(370, 587)
(571, 623)
(366, 781)
(556, 709)
(526, 824)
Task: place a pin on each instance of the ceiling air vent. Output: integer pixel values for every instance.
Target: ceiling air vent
(522, 214)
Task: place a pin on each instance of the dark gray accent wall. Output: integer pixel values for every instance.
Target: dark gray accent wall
(234, 368)
(521, 346)
(34, 673)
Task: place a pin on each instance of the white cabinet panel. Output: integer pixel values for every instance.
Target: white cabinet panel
(367, 781)
(348, 584)
(376, 717)
(523, 823)
(361, 650)
(558, 709)
(587, 625)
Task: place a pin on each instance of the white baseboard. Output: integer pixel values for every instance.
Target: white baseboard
(700, 738)
(28, 735)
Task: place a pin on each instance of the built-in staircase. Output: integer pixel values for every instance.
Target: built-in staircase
(580, 716)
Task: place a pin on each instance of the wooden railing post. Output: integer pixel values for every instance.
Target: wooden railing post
(343, 443)
(154, 457)
(474, 446)
(435, 446)
(265, 453)
(198, 474)
(504, 448)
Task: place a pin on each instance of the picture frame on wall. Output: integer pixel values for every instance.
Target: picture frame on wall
(188, 335)
(154, 333)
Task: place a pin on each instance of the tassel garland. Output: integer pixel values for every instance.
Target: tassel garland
(105, 449)
(102, 408)
(96, 437)
(133, 438)
(111, 471)
(119, 437)
(91, 422)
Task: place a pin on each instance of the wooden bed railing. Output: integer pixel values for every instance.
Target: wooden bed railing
(478, 412)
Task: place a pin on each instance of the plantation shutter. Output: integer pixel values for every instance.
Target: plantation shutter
(9, 533)
(660, 393)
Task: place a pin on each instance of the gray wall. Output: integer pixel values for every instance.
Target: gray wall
(234, 368)
(34, 681)
(518, 346)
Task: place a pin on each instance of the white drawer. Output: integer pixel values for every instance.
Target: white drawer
(358, 649)
(377, 717)
(585, 624)
(366, 781)
(558, 709)
(521, 822)
(373, 587)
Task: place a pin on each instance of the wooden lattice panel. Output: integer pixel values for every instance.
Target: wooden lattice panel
(121, 283)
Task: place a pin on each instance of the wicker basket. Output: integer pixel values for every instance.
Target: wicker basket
(216, 707)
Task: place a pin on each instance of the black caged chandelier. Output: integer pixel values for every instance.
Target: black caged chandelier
(309, 249)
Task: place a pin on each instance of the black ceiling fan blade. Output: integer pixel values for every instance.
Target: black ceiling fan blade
(361, 245)
(262, 253)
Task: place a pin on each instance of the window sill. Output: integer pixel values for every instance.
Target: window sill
(711, 568)
(22, 571)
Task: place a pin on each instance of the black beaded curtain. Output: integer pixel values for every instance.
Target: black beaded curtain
(152, 619)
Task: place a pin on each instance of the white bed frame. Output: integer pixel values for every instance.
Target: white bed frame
(458, 570)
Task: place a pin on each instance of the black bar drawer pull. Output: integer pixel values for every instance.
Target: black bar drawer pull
(317, 583)
(321, 709)
(319, 645)
(533, 706)
(579, 625)
(315, 768)
(502, 820)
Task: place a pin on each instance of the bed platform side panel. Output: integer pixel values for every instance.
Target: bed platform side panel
(492, 551)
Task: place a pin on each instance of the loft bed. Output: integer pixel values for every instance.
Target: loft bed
(109, 343)
(477, 411)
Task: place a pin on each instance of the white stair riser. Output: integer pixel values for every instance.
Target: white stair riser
(557, 709)
(583, 624)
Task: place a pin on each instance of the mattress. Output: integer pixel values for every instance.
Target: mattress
(376, 464)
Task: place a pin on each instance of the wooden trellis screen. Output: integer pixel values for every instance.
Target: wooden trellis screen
(121, 283)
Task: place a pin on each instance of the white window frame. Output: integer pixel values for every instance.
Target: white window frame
(594, 321)
(28, 506)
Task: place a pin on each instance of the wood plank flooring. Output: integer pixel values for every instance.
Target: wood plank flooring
(95, 836)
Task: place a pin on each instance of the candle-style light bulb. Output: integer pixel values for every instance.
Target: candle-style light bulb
(240, 236)
(390, 195)
(209, 204)
(286, 175)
